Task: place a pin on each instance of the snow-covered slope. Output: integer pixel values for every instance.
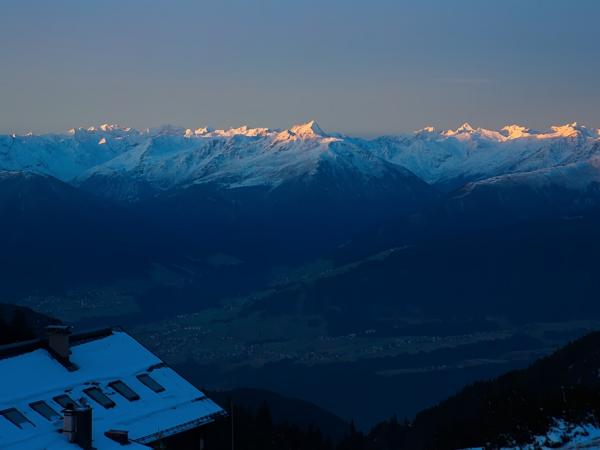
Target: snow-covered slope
(565, 436)
(564, 188)
(466, 154)
(271, 184)
(164, 158)
(237, 157)
(170, 157)
(65, 156)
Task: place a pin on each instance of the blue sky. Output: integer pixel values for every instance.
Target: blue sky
(360, 67)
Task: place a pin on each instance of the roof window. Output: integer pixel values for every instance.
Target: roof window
(150, 382)
(124, 390)
(15, 416)
(45, 410)
(64, 401)
(99, 397)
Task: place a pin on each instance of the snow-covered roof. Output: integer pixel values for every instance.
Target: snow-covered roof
(102, 359)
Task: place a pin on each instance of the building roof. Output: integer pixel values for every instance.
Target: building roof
(30, 373)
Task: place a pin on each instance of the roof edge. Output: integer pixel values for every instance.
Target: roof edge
(180, 428)
(19, 348)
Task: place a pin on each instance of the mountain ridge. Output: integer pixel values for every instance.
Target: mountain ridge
(305, 172)
(171, 155)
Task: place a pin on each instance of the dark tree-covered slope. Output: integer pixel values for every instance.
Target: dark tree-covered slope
(509, 410)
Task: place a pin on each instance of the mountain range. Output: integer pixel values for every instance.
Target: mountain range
(466, 166)
(271, 255)
(169, 157)
(318, 170)
(261, 193)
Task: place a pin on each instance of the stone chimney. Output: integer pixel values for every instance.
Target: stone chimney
(77, 425)
(58, 341)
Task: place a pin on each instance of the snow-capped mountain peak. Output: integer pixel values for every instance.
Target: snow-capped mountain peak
(202, 131)
(427, 129)
(515, 131)
(171, 156)
(309, 129)
(466, 132)
(569, 130)
(107, 127)
(244, 130)
(465, 128)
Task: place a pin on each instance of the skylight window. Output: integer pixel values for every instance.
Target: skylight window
(124, 390)
(150, 382)
(14, 415)
(99, 397)
(64, 400)
(45, 410)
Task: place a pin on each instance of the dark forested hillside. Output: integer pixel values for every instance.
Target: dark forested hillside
(509, 410)
(18, 323)
(283, 410)
(527, 272)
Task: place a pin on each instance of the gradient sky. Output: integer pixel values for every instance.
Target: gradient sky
(359, 67)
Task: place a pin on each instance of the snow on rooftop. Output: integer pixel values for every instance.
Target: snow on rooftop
(36, 376)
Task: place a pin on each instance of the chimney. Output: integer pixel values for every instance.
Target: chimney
(77, 425)
(58, 341)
